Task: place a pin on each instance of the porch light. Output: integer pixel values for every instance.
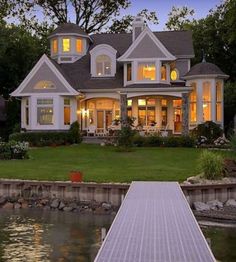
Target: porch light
(204, 105)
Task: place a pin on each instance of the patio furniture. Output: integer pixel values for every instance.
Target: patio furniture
(91, 130)
(101, 132)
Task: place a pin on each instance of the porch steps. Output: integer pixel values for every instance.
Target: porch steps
(93, 139)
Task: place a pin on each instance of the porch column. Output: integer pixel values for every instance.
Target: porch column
(185, 114)
(123, 108)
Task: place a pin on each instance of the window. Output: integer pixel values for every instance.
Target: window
(129, 72)
(45, 111)
(193, 103)
(163, 73)
(79, 45)
(164, 112)
(146, 71)
(45, 85)
(219, 101)
(67, 111)
(174, 75)
(129, 102)
(27, 112)
(206, 96)
(66, 44)
(103, 65)
(54, 46)
(146, 112)
(129, 107)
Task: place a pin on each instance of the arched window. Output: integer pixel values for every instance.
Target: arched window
(103, 65)
(45, 84)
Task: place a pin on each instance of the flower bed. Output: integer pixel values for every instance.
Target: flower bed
(14, 150)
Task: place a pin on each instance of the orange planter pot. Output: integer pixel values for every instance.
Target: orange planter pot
(76, 176)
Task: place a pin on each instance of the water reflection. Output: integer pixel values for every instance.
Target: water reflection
(33, 235)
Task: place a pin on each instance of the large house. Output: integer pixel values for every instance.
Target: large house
(98, 78)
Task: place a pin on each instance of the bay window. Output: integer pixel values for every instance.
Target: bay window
(193, 103)
(79, 46)
(219, 96)
(54, 46)
(146, 71)
(163, 73)
(129, 72)
(66, 44)
(206, 96)
(45, 111)
(67, 111)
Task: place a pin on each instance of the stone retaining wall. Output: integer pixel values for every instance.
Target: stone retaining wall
(103, 192)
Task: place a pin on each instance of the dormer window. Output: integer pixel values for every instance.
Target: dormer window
(146, 71)
(103, 65)
(54, 46)
(79, 46)
(66, 44)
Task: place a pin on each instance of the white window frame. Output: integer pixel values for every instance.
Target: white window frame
(45, 106)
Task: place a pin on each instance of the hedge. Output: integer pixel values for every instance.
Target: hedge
(158, 141)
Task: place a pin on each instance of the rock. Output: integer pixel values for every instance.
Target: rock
(215, 204)
(21, 200)
(186, 183)
(24, 205)
(200, 206)
(67, 209)
(44, 201)
(8, 205)
(55, 203)
(73, 205)
(46, 208)
(230, 203)
(106, 206)
(17, 205)
(61, 206)
(99, 211)
(3, 200)
(193, 180)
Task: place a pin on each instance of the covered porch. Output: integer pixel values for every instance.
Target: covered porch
(152, 113)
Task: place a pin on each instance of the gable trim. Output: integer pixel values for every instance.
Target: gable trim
(158, 43)
(42, 60)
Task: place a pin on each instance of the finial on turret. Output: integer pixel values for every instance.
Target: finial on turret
(203, 56)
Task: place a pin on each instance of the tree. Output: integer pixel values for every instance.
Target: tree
(124, 25)
(179, 18)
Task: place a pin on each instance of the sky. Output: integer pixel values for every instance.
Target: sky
(163, 7)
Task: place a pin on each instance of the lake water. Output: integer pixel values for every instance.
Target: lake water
(34, 235)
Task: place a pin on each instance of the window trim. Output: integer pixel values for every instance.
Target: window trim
(47, 106)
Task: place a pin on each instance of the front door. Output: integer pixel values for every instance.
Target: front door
(104, 119)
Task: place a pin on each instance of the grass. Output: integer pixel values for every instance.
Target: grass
(104, 164)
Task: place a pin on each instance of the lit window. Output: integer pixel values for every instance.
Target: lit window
(141, 102)
(151, 102)
(177, 103)
(129, 72)
(142, 116)
(163, 102)
(44, 85)
(103, 65)
(146, 71)
(163, 73)
(66, 44)
(206, 101)
(174, 75)
(79, 46)
(54, 46)
(66, 111)
(193, 103)
(219, 101)
(129, 102)
(45, 111)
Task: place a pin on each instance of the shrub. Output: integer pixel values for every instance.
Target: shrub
(211, 165)
(153, 140)
(13, 150)
(186, 141)
(209, 129)
(233, 142)
(126, 134)
(138, 140)
(75, 132)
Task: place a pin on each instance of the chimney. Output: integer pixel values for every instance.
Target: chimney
(138, 26)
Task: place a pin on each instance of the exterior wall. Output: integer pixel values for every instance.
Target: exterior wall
(147, 49)
(44, 73)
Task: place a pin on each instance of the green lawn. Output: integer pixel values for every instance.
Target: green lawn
(104, 164)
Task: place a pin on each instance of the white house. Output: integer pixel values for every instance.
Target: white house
(101, 77)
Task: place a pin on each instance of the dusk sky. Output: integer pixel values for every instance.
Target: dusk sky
(163, 7)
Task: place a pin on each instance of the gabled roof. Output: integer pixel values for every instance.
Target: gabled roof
(205, 68)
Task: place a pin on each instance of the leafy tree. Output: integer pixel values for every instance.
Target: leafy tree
(124, 25)
(179, 18)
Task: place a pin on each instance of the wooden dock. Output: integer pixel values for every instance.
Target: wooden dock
(155, 223)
